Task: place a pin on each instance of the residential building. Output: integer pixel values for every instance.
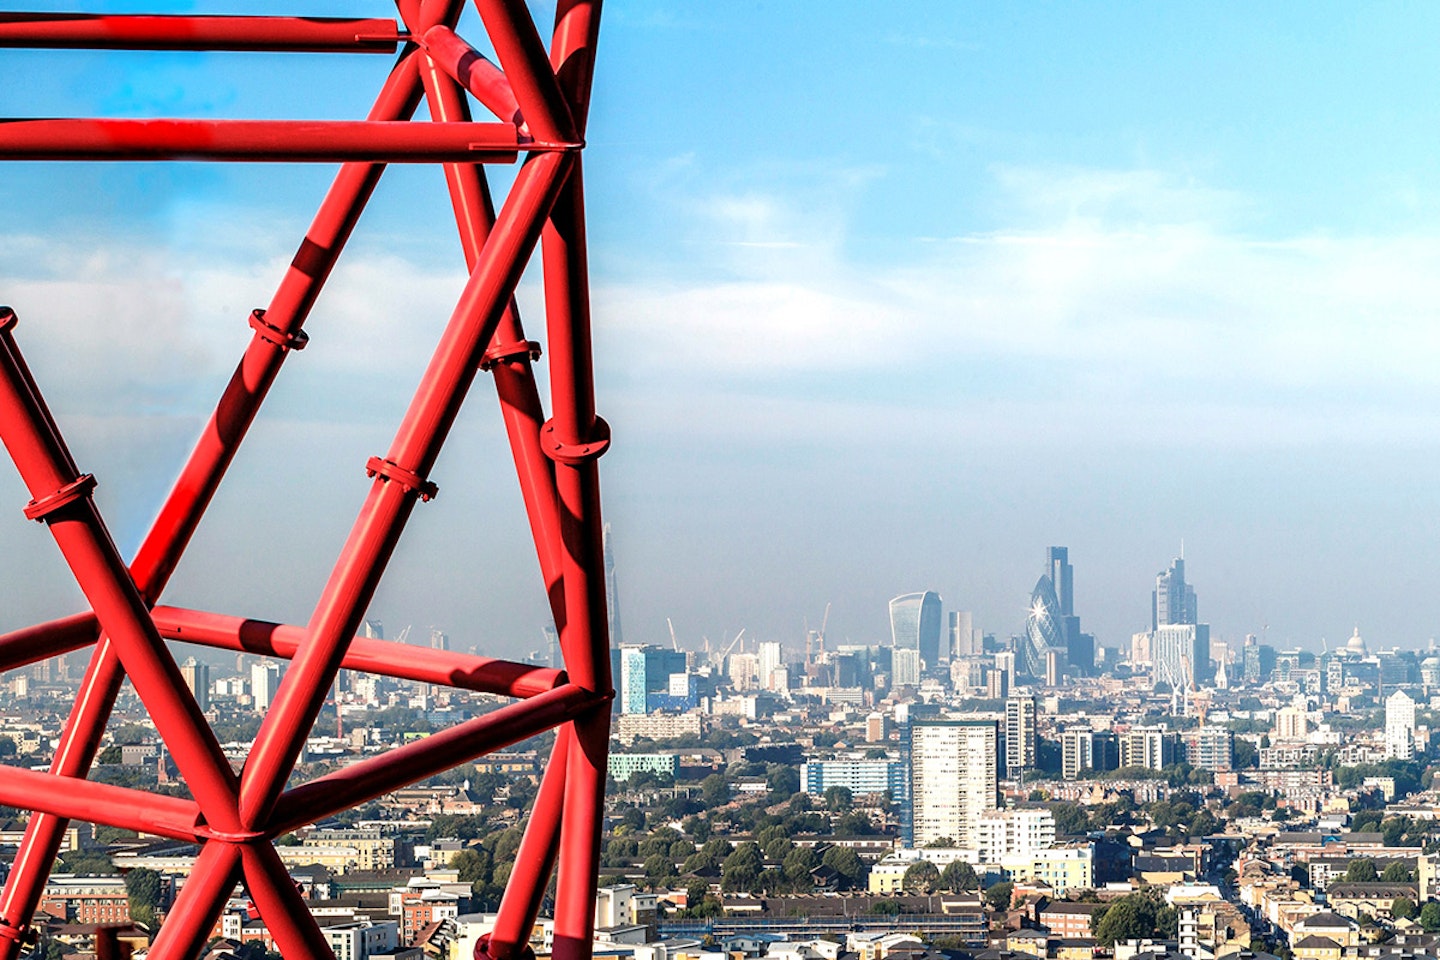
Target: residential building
(953, 778)
(1152, 747)
(860, 777)
(197, 679)
(621, 766)
(1003, 833)
(1400, 726)
(1021, 715)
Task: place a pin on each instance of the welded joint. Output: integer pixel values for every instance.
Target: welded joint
(575, 453)
(11, 931)
(268, 331)
(505, 352)
(7, 323)
(388, 471)
(205, 832)
(77, 489)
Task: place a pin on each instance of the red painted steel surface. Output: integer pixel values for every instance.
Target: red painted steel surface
(541, 100)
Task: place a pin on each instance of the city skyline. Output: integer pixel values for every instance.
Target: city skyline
(777, 316)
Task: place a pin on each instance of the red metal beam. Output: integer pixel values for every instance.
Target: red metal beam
(286, 141)
(521, 53)
(510, 355)
(100, 803)
(180, 514)
(192, 917)
(377, 776)
(62, 500)
(535, 860)
(78, 31)
(386, 658)
(473, 71)
(412, 454)
(28, 645)
(555, 461)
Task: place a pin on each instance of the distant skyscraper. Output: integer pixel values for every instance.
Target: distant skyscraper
(1173, 600)
(1180, 653)
(1400, 726)
(197, 677)
(372, 630)
(915, 625)
(632, 680)
(439, 639)
(1062, 577)
(612, 592)
(905, 668)
(963, 642)
(1044, 630)
(264, 681)
(1021, 715)
(551, 637)
(771, 659)
(953, 779)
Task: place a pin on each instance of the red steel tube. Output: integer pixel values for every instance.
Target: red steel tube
(514, 375)
(572, 54)
(146, 32)
(535, 860)
(99, 803)
(286, 915)
(584, 636)
(200, 477)
(192, 917)
(79, 742)
(432, 411)
(43, 641)
(47, 469)
(473, 71)
(289, 141)
(512, 31)
(387, 658)
(579, 872)
(423, 758)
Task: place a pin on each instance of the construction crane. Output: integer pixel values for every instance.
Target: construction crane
(674, 644)
(732, 645)
(816, 636)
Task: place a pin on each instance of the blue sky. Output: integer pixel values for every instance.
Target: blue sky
(886, 299)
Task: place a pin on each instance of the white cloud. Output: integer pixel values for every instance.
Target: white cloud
(1127, 287)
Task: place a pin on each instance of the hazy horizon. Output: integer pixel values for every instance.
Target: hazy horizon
(881, 305)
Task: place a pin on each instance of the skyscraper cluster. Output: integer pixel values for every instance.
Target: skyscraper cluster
(1177, 646)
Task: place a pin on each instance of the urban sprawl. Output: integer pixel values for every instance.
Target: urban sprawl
(948, 794)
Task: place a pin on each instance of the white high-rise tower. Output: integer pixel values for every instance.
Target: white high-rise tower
(1400, 726)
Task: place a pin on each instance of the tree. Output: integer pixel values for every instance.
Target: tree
(847, 863)
(1403, 908)
(1361, 871)
(998, 895)
(142, 888)
(958, 875)
(714, 791)
(1133, 917)
(783, 781)
(921, 877)
(1430, 916)
(1397, 872)
(798, 864)
(838, 799)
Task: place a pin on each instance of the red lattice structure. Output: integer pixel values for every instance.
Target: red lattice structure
(540, 101)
